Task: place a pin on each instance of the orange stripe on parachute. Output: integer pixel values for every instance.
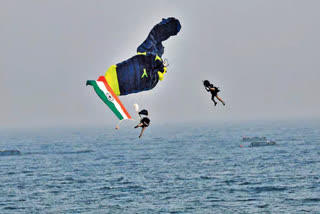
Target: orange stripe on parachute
(103, 79)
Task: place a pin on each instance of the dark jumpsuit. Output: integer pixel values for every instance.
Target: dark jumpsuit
(145, 121)
(215, 92)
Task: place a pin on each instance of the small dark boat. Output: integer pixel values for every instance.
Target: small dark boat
(9, 152)
(262, 143)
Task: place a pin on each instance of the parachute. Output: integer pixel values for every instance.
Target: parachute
(141, 72)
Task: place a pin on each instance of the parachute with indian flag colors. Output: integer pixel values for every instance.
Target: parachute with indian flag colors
(107, 95)
(141, 72)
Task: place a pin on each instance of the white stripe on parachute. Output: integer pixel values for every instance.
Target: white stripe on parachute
(105, 91)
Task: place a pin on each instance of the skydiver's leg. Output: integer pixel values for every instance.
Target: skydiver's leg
(212, 98)
(220, 100)
(139, 125)
(142, 131)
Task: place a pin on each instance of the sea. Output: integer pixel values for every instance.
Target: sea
(173, 168)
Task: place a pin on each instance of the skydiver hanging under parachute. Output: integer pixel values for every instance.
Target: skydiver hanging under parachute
(140, 73)
(213, 90)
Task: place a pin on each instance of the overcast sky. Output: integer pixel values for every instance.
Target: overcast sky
(264, 55)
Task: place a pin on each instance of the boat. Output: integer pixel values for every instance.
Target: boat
(262, 143)
(9, 152)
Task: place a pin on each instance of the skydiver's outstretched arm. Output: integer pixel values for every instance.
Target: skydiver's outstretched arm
(142, 131)
(220, 100)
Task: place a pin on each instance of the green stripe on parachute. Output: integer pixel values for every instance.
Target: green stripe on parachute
(103, 97)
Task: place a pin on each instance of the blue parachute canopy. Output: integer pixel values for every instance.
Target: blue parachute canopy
(159, 33)
(143, 71)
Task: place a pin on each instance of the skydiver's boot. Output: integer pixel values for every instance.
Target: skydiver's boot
(215, 103)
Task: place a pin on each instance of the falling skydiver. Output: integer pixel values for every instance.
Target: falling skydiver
(144, 122)
(213, 90)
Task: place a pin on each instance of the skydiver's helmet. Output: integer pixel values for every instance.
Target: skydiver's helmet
(206, 83)
(143, 112)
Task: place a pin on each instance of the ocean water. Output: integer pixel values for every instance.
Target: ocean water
(173, 168)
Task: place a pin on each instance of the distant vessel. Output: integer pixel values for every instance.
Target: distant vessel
(253, 138)
(9, 152)
(262, 143)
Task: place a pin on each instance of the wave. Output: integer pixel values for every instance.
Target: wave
(74, 152)
(59, 152)
(269, 189)
(311, 200)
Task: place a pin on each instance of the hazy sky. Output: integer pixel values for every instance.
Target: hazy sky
(264, 55)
